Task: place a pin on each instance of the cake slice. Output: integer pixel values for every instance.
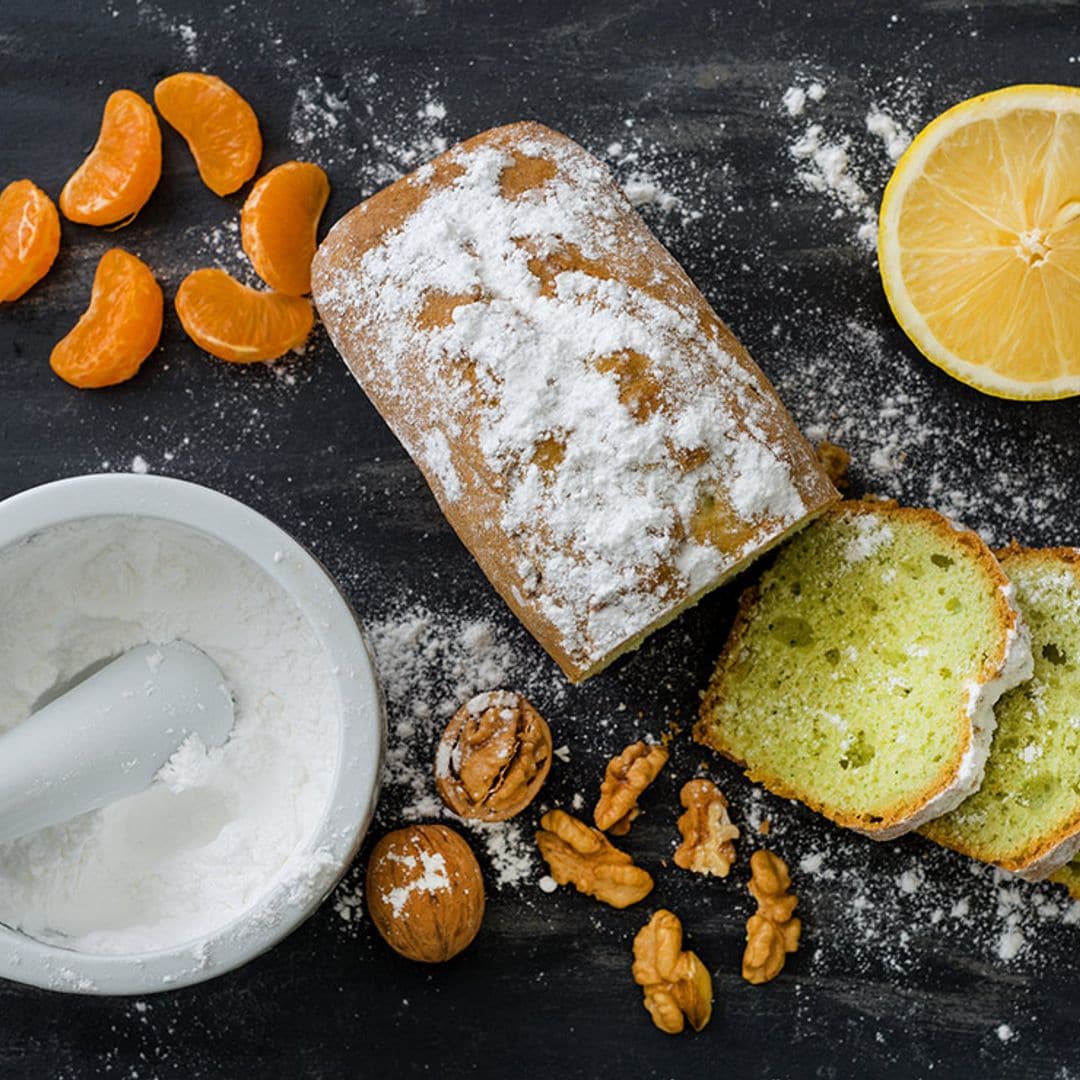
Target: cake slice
(1026, 816)
(861, 673)
(600, 440)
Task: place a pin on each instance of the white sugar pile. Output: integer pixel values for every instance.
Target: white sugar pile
(178, 861)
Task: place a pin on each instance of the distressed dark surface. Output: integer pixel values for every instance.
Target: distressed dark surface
(545, 990)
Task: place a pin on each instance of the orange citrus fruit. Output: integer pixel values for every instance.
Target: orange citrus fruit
(237, 323)
(120, 173)
(219, 126)
(29, 237)
(979, 242)
(279, 223)
(119, 329)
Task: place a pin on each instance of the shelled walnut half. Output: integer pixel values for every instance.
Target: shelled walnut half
(628, 775)
(773, 931)
(677, 985)
(493, 758)
(708, 836)
(584, 857)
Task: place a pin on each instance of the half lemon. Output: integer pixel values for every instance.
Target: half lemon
(979, 242)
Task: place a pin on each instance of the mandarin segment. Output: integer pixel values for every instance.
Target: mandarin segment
(279, 223)
(119, 329)
(219, 126)
(120, 173)
(29, 237)
(243, 325)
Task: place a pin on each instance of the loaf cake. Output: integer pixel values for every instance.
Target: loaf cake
(1026, 816)
(599, 439)
(861, 673)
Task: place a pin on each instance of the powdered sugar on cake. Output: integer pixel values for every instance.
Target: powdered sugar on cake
(870, 535)
(529, 369)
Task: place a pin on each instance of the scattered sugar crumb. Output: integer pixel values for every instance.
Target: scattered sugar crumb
(911, 880)
(893, 137)
(794, 100)
(1012, 941)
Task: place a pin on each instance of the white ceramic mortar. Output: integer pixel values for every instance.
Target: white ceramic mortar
(351, 800)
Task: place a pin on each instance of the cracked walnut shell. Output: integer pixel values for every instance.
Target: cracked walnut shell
(578, 854)
(677, 984)
(493, 758)
(425, 892)
(708, 836)
(627, 776)
(773, 931)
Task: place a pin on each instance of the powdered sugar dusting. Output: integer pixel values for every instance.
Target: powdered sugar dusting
(893, 137)
(427, 875)
(910, 442)
(431, 664)
(827, 162)
(870, 535)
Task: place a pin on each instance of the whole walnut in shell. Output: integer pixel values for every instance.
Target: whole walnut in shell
(425, 892)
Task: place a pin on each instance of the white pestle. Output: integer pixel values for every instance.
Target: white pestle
(108, 736)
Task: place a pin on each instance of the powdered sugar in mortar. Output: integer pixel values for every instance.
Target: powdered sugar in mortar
(189, 855)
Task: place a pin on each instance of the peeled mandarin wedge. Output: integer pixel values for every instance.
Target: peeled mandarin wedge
(279, 222)
(979, 242)
(240, 324)
(119, 175)
(119, 329)
(29, 237)
(219, 126)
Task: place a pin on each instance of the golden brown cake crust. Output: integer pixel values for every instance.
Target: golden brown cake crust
(895, 817)
(652, 361)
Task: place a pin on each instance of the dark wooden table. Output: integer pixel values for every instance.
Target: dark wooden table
(905, 968)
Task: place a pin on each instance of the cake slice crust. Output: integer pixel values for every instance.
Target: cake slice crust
(1026, 816)
(860, 674)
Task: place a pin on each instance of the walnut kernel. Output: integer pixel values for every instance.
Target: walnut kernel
(578, 854)
(773, 931)
(627, 776)
(493, 758)
(708, 835)
(425, 892)
(677, 984)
